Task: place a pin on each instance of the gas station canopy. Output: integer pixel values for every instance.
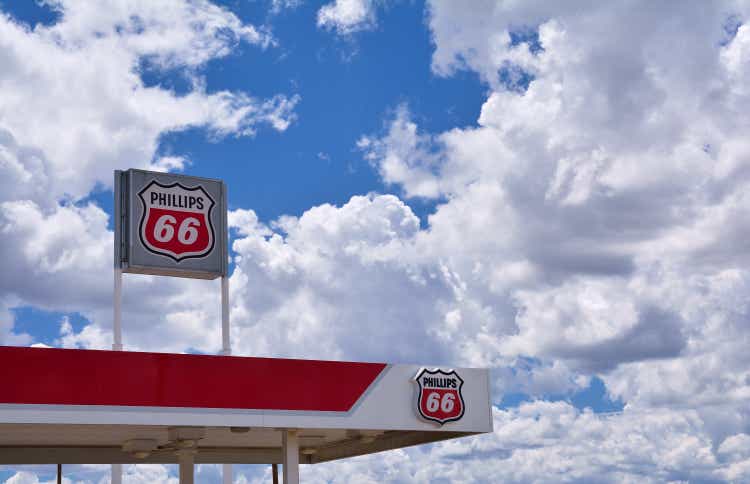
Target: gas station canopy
(89, 406)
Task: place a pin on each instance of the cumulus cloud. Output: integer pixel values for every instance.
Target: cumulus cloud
(23, 171)
(86, 108)
(347, 16)
(554, 442)
(299, 286)
(404, 156)
(25, 478)
(278, 6)
(42, 251)
(602, 201)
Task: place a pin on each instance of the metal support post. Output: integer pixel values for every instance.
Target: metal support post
(187, 468)
(290, 451)
(226, 474)
(59, 473)
(116, 477)
(275, 473)
(117, 316)
(116, 470)
(226, 350)
(226, 347)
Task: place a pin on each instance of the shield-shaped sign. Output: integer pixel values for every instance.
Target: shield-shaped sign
(176, 220)
(439, 397)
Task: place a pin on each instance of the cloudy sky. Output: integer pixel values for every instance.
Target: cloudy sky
(559, 191)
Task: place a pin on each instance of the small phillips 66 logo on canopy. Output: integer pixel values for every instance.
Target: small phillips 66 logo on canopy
(439, 397)
(176, 220)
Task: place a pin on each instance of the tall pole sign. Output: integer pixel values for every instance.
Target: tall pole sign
(170, 225)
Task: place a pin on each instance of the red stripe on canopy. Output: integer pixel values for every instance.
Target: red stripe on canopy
(91, 377)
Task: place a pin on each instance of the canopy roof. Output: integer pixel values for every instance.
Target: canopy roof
(88, 406)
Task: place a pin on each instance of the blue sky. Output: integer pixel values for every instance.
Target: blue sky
(553, 191)
(348, 88)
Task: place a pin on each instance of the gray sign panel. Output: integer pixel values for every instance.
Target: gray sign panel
(170, 225)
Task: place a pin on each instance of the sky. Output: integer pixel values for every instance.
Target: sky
(557, 191)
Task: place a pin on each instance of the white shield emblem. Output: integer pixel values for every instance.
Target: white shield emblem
(176, 220)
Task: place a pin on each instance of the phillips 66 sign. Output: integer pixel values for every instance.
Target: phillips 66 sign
(173, 225)
(439, 395)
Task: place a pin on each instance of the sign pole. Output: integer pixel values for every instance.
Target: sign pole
(116, 470)
(117, 325)
(226, 347)
(226, 350)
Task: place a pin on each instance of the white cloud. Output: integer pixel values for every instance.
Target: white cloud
(135, 474)
(592, 196)
(175, 31)
(23, 478)
(43, 253)
(405, 156)
(347, 16)
(23, 171)
(169, 163)
(298, 289)
(86, 108)
(278, 6)
(553, 442)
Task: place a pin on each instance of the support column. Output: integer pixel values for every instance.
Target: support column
(116, 477)
(226, 346)
(226, 350)
(226, 474)
(187, 468)
(116, 470)
(290, 451)
(117, 316)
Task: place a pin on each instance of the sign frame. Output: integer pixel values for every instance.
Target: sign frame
(132, 254)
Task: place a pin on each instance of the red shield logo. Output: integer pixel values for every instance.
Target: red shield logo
(439, 397)
(176, 220)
